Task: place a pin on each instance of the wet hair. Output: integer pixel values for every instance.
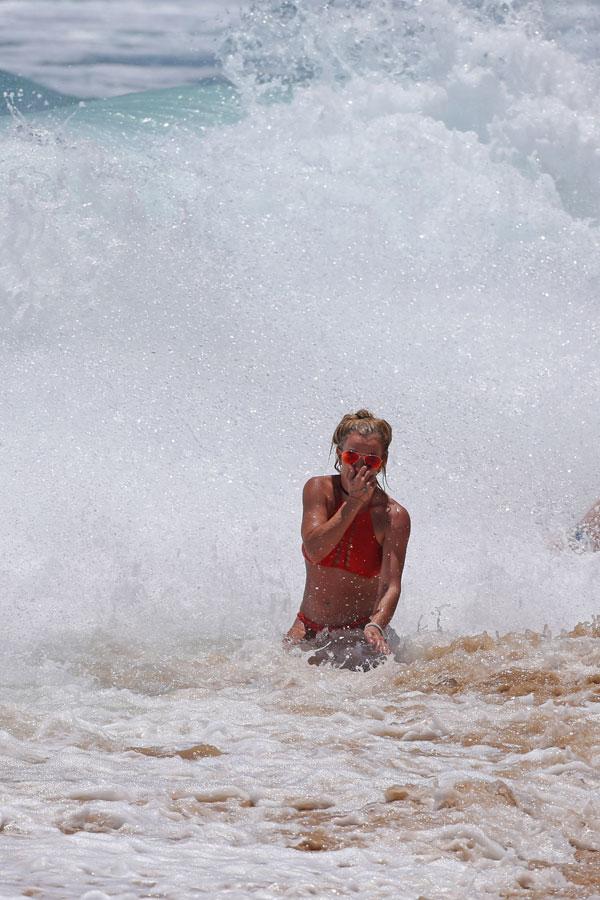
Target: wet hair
(365, 423)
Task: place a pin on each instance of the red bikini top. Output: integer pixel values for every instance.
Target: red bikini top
(358, 551)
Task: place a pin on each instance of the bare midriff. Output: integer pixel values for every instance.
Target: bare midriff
(335, 596)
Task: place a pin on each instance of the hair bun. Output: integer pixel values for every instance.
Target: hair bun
(363, 414)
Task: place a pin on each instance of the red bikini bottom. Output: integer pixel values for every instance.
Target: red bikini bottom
(314, 627)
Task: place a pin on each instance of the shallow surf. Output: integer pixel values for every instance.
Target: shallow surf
(468, 768)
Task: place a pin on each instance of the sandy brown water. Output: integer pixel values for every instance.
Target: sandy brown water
(466, 767)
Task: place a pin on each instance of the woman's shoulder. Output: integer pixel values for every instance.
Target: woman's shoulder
(320, 485)
(397, 515)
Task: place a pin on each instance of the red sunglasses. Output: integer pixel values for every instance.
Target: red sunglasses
(371, 461)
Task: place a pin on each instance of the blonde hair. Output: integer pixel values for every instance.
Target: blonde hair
(365, 423)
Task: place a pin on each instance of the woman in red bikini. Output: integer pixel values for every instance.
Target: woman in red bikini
(354, 538)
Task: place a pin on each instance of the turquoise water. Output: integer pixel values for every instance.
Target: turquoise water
(210, 103)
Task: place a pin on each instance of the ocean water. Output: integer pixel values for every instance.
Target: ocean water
(222, 228)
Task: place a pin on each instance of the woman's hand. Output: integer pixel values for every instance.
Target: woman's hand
(362, 484)
(375, 638)
(296, 633)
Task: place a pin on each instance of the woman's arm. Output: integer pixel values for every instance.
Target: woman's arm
(390, 579)
(320, 534)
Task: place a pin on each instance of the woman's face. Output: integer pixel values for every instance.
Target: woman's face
(364, 445)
